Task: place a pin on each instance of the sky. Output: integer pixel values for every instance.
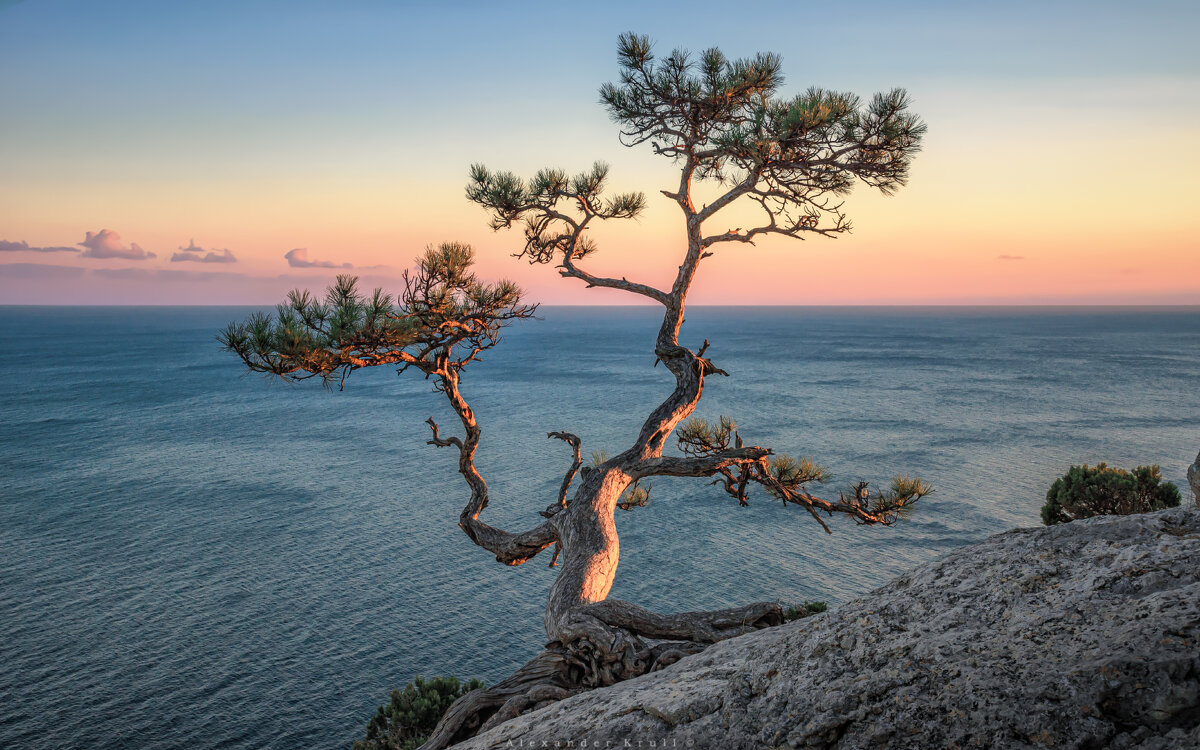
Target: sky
(225, 152)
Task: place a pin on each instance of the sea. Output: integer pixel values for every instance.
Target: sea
(196, 557)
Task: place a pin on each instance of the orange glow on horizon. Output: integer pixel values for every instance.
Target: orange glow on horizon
(1029, 190)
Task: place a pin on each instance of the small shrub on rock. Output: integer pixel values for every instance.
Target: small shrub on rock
(406, 721)
(1087, 491)
(797, 611)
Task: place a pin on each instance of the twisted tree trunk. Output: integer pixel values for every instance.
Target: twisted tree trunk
(1193, 475)
(593, 641)
(719, 125)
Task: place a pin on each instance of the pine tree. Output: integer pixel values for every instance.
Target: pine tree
(722, 122)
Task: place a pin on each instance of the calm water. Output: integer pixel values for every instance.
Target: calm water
(196, 558)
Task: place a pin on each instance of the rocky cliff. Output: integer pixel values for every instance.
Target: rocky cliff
(1084, 635)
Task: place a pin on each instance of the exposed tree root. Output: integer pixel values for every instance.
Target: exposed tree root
(541, 680)
(603, 644)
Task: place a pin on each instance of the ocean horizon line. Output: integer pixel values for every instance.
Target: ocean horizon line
(1031, 306)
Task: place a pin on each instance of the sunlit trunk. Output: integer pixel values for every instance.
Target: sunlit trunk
(590, 548)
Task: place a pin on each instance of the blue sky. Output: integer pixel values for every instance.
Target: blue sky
(168, 121)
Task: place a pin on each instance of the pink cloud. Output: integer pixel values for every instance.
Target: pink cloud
(200, 255)
(23, 247)
(298, 258)
(39, 271)
(107, 244)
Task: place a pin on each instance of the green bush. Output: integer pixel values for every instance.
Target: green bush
(797, 611)
(1087, 491)
(406, 721)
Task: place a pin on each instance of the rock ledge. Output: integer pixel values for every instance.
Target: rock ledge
(1084, 635)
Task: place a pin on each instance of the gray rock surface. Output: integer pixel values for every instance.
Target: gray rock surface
(1083, 635)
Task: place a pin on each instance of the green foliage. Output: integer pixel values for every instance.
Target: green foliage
(509, 194)
(800, 611)
(405, 722)
(510, 198)
(698, 437)
(724, 120)
(732, 122)
(795, 472)
(635, 496)
(895, 502)
(442, 319)
(1086, 491)
(788, 478)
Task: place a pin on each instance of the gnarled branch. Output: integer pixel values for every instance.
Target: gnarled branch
(699, 466)
(509, 548)
(543, 203)
(574, 442)
(569, 269)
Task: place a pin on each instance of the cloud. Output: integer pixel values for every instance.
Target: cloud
(298, 258)
(106, 244)
(39, 271)
(164, 274)
(174, 274)
(1010, 257)
(122, 273)
(23, 247)
(200, 255)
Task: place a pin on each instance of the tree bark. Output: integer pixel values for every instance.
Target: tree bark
(444, 319)
(591, 640)
(1193, 475)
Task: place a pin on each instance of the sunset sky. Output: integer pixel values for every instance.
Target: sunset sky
(224, 152)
